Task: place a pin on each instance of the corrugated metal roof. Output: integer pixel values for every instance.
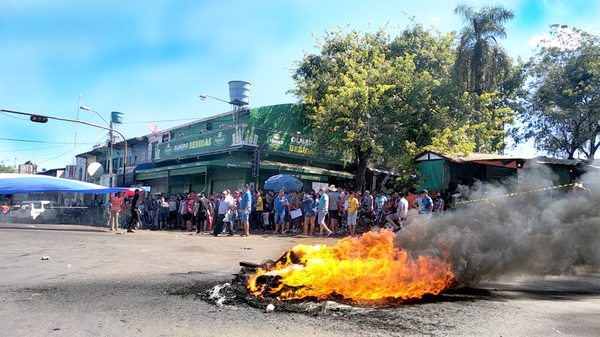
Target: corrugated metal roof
(478, 157)
(557, 161)
(472, 157)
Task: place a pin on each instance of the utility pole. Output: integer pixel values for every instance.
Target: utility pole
(110, 163)
(75, 141)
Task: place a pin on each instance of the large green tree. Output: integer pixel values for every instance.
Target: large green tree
(345, 87)
(562, 114)
(486, 73)
(375, 95)
(482, 64)
(385, 99)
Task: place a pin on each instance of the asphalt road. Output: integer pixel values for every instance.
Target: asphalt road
(98, 283)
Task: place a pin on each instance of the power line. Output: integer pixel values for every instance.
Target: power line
(38, 141)
(60, 155)
(167, 120)
(12, 116)
(30, 149)
(73, 149)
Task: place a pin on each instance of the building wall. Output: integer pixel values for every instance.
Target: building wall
(228, 178)
(187, 183)
(225, 151)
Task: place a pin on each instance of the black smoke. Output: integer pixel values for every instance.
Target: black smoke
(547, 232)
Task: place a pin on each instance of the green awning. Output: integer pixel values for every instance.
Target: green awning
(286, 167)
(150, 175)
(186, 171)
(173, 170)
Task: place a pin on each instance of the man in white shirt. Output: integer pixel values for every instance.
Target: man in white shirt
(334, 213)
(401, 212)
(224, 206)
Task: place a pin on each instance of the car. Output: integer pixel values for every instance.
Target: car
(37, 211)
(12, 213)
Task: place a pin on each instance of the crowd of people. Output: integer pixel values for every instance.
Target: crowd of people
(326, 212)
(329, 211)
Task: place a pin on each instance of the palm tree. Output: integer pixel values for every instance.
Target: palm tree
(482, 63)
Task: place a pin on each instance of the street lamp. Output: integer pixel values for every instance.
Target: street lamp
(234, 117)
(110, 137)
(87, 108)
(110, 164)
(204, 96)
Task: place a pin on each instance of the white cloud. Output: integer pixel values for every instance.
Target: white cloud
(435, 18)
(566, 38)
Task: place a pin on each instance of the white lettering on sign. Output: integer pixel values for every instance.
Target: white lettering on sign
(181, 147)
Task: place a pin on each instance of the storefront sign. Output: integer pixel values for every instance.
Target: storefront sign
(242, 135)
(191, 146)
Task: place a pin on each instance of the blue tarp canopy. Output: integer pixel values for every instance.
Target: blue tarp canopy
(13, 183)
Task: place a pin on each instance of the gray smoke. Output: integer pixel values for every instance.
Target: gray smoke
(535, 233)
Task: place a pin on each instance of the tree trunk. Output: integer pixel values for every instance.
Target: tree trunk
(592, 153)
(362, 158)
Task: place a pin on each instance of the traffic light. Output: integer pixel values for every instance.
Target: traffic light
(255, 167)
(38, 119)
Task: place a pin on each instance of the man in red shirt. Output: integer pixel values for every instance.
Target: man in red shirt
(116, 202)
(187, 212)
(412, 196)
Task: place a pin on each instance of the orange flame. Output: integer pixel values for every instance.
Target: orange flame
(364, 268)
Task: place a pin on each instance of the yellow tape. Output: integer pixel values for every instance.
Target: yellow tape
(520, 193)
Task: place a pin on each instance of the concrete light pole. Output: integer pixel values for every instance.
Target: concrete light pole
(110, 139)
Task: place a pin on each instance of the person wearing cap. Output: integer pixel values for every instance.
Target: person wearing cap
(334, 215)
(322, 211)
(367, 202)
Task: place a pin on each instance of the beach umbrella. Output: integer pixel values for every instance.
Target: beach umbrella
(283, 182)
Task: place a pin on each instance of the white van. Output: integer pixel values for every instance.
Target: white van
(37, 211)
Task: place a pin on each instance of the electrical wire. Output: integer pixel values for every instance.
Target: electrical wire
(166, 120)
(38, 141)
(63, 153)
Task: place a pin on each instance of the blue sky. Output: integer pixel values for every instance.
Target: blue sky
(151, 60)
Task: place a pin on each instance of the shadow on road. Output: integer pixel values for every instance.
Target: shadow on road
(36, 228)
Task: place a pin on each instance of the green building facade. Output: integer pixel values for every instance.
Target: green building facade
(217, 153)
